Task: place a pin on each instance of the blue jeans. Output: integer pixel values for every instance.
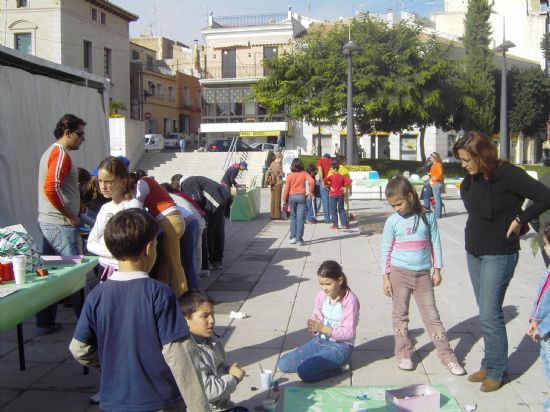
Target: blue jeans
(490, 276)
(436, 187)
(63, 241)
(337, 208)
(316, 360)
(310, 209)
(545, 358)
(297, 205)
(324, 202)
(188, 245)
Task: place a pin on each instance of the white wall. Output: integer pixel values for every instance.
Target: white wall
(27, 120)
(127, 139)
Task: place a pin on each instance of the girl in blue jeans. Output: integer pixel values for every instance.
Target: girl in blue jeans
(334, 321)
(539, 326)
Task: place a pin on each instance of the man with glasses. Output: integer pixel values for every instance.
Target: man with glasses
(59, 205)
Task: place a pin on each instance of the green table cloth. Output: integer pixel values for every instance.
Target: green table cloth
(40, 292)
(351, 398)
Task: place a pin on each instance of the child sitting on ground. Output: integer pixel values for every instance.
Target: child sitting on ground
(334, 321)
(220, 380)
(131, 327)
(539, 327)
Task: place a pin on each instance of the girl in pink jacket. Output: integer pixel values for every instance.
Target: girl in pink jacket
(334, 321)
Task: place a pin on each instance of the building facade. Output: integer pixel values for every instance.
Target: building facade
(89, 35)
(235, 50)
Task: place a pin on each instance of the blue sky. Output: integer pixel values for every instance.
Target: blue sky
(182, 20)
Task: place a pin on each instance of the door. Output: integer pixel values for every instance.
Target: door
(229, 64)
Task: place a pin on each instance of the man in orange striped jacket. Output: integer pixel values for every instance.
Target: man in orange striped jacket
(59, 204)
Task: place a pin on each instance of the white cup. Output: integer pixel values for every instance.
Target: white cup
(266, 378)
(19, 268)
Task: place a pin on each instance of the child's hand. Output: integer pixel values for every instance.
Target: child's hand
(436, 277)
(533, 331)
(237, 372)
(316, 326)
(388, 291)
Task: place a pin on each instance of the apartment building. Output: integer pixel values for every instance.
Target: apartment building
(153, 91)
(235, 50)
(89, 35)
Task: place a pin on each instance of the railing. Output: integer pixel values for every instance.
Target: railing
(242, 70)
(231, 153)
(250, 20)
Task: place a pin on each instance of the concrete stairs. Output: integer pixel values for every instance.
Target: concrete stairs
(164, 165)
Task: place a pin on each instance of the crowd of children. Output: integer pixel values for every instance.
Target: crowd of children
(157, 355)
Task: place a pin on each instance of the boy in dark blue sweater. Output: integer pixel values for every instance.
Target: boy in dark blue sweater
(131, 327)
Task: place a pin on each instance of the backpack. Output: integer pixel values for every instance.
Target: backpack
(270, 180)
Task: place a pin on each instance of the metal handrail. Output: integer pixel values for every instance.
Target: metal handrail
(230, 153)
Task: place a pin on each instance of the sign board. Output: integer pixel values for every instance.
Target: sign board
(288, 156)
(260, 133)
(147, 115)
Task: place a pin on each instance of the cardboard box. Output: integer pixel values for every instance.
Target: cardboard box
(414, 398)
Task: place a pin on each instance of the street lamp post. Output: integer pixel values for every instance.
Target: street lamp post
(349, 48)
(504, 138)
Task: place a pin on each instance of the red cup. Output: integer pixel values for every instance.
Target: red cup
(6, 271)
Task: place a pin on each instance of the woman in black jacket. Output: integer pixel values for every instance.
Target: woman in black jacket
(493, 192)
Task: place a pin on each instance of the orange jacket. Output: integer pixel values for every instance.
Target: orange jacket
(436, 173)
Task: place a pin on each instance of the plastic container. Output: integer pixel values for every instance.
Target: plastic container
(373, 174)
(414, 398)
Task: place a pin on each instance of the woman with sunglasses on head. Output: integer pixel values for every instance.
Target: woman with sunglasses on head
(493, 192)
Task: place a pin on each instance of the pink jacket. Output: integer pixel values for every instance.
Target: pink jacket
(350, 315)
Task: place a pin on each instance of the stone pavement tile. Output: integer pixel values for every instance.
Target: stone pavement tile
(7, 395)
(10, 335)
(231, 286)
(379, 367)
(227, 276)
(12, 377)
(226, 307)
(49, 401)
(7, 346)
(295, 338)
(69, 376)
(41, 351)
(268, 338)
(528, 385)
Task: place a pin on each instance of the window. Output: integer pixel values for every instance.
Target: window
(151, 88)
(87, 55)
(103, 18)
(186, 96)
(23, 42)
(107, 62)
(269, 53)
(135, 55)
(22, 3)
(94, 14)
(149, 63)
(159, 91)
(174, 126)
(171, 96)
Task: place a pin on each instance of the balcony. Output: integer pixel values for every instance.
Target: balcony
(232, 118)
(251, 20)
(236, 72)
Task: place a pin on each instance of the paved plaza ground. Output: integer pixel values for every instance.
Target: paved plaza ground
(275, 283)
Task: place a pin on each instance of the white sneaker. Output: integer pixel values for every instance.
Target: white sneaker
(456, 369)
(405, 364)
(292, 241)
(300, 242)
(204, 273)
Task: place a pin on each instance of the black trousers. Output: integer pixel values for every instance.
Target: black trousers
(215, 233)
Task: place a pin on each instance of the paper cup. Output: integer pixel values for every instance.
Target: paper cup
(19, 263)
(266, 378)
(269, 405)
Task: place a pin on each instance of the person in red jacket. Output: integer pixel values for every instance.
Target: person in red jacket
(336, 183)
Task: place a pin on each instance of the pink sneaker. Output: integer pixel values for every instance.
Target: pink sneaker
(334, 227)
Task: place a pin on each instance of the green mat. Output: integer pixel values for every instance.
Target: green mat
(351, 399)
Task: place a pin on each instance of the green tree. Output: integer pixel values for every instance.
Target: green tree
(478, 82)
(545, 47)
(529, 101)
(115, 106)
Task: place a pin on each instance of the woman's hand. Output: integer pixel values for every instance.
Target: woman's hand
(436, 277)
(387, 286)
(514, 228)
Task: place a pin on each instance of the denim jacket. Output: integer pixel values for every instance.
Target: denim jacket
(542, 313)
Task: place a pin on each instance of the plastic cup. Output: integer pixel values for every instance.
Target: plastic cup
(266, 378)
(269, 405)
(19, 263)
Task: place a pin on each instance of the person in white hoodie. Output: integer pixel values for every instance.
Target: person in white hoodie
(115, 184)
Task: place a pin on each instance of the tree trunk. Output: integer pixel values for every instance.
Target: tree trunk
(421, 144)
